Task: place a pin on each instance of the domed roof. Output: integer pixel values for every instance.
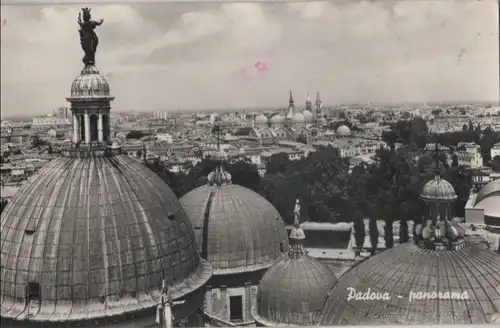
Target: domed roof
(308, 116)
(94, 237)
(471, 272)
(261, 119)
(236, 229)
(90, 84)
(277, 119)
(293, 291)
(488, 199)
(438, 190)
(298, 118)
(343, 130)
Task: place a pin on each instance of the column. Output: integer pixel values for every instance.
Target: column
(76, 128)
(100, 136)
(87, 127)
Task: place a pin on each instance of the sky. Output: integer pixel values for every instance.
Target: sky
(168, 56)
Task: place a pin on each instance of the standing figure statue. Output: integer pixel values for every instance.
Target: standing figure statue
(88, 38)
(164, 315)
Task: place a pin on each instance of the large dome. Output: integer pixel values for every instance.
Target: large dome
(293, 291)
(298, 118)
(438, 190)
(277, 119)
(488, 201)
(236, 229)
(409, 268)
(308, 116)
(343, 130)
(261, 120)
(90, 84)
(94, 237)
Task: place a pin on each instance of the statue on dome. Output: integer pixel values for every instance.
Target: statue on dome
(164, 315)
(88, 37)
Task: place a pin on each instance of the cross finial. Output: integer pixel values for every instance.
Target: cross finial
(436, 151)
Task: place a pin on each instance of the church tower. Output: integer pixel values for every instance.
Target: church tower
(318, 113)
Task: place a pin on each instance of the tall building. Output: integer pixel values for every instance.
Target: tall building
(95, 238)
(160, 115)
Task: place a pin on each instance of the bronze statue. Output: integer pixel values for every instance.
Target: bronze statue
(88, 38)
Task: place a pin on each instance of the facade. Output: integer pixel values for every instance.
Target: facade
(440, 278)
(470, 159)
(293, 291)
(241, 234)
(48, 122)
(95, 238)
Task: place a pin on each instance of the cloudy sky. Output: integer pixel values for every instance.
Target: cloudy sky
(234, 55)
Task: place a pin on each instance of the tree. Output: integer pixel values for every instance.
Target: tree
(388, 234)
(277, 163)
(403, 231)
(136, 134)
(373, 234)
(359, 231)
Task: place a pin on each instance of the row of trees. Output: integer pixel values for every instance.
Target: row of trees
(387, 189)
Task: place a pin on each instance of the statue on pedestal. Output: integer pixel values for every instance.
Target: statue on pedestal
(88, 38)
(164, 316)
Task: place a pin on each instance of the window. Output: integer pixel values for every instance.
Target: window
(171, 217)
(236, 308)
(282, 247)
(30, 229)
(33, 291)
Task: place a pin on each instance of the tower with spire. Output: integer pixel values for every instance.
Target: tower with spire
(318, 113)
(291, 109)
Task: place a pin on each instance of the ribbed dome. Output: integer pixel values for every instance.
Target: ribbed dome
(308, 116)
(406, 268)
(298, 118)
(293, 291)
(438, 190)
(98, 235)
(261, 120)
(90, 84)
(277, 119)
(343, 130)
(236, 229)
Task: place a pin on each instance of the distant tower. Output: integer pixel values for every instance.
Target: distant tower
(309, 103)
(319, 107)
(90, 105)
(291, 108)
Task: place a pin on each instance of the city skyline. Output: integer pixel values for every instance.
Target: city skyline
(248, 55)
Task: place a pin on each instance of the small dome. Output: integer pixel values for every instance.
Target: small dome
(298, 118)
(438, 190)
(277, 119)
(99, 234)
(261, 120)
(236, 229)
(343, 130)
(90, 84)
(308, 116)
(293, 291)
(471, 274)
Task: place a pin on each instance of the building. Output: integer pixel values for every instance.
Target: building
(241, 234)
(160, 115)
(47, 122)
(470, 159)
(495, 151)
(294, 289)
(483, 206)
(95, 238)
(440, 278)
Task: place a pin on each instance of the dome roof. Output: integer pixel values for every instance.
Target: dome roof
(261, 119)
(236, 229)
(404, 268)
(90, 84)
(277, 119)
(343, 130)
(438, 190)
(298, 118)
(489, 190)
(308, 116)
(293, 291)
(95, 237)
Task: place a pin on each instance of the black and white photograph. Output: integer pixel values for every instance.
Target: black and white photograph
(250, 164)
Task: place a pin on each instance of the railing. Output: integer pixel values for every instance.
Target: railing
(213, 321)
